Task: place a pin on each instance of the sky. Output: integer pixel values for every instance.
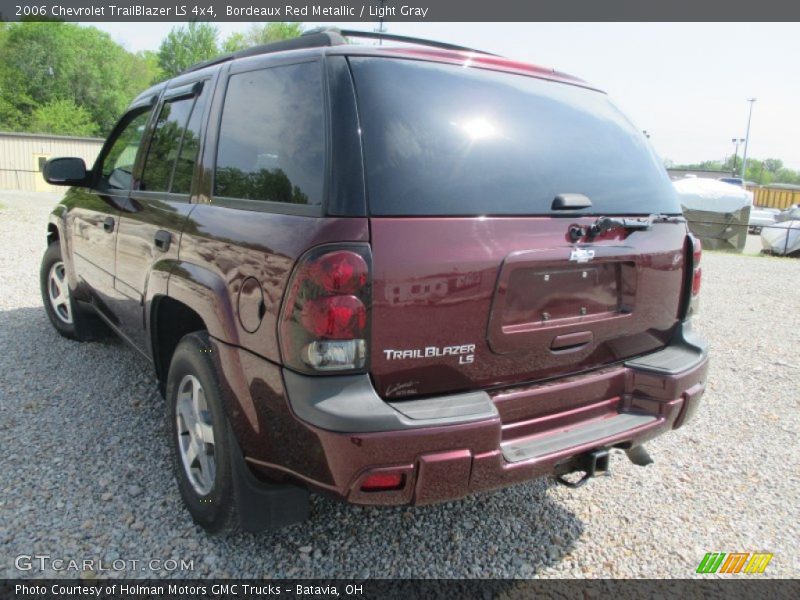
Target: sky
(686, 84)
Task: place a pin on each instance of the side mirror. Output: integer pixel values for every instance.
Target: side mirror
(65, 171)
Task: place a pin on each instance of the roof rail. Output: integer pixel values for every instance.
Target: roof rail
(315, 38)
(377, 35)
(327, 36)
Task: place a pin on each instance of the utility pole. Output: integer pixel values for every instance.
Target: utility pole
(736, 142)
(747, 139)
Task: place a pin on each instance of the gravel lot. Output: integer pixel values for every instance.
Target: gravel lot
(84, 465)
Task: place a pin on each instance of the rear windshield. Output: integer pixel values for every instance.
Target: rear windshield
(447, 140)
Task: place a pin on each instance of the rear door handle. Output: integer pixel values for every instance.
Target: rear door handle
(162, 240)
(571, 340)
(108, 224)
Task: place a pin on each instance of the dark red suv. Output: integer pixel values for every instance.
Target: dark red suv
(391, 275)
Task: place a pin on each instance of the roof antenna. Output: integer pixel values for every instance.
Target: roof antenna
(381, 28)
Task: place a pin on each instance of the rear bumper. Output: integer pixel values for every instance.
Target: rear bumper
(452, 446)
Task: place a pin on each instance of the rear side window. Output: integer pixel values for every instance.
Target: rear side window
(173, 150)
(445, 140)
(272, 135)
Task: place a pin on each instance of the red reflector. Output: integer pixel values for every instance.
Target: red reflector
(382, 481)
(335, 317)
(698, 274)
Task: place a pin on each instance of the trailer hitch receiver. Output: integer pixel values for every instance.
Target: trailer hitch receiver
(591, 464)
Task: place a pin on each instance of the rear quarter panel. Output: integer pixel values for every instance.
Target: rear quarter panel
(235, 244)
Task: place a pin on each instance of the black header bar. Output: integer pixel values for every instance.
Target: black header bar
(401, 10)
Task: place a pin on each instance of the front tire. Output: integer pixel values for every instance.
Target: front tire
(201, 448)
(58, 302)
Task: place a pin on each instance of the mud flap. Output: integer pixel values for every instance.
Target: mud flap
(89, 326)
(264, 506)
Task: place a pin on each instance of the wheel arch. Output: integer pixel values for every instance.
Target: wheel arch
(183, 298)
(55, 223)
(170, 320)
(53, 233)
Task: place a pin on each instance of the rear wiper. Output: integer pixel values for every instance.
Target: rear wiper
(607, 223)
(603, 224)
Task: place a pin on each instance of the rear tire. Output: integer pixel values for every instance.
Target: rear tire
(199, 436)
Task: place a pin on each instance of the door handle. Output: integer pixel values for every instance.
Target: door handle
(162, 240)
(571, 341)
(108, 224)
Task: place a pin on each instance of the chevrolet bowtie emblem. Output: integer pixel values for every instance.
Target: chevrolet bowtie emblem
(581, 255)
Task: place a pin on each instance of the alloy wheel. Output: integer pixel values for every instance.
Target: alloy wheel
(195, 435)
(58, 292)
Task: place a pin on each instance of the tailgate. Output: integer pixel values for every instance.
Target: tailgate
(466, 303)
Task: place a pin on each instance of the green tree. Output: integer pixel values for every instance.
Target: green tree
(144, 67)
(186, 46)
(785, 175)
(11, 118)
(43, 62)
(262, 34)
(773, 165)
(62, 117)
(235, 41)
(755, 170)
(770, 170)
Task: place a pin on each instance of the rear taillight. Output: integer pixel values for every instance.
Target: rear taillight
(697, 275)
(340, 271)
(324, 322)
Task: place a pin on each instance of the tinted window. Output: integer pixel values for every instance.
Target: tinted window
(445, 140)
(117, 168)
(174, 146)
(271, 141)
(187, 156)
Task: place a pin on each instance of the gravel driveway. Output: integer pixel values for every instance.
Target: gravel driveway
(84, 464)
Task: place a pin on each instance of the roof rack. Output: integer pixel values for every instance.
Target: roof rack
(315, 38)
(327, 36)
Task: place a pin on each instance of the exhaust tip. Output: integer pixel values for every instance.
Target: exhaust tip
(639, 456)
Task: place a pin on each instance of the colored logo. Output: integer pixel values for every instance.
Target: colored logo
(735, 562)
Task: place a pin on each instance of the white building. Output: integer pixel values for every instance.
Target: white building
(22, 157)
